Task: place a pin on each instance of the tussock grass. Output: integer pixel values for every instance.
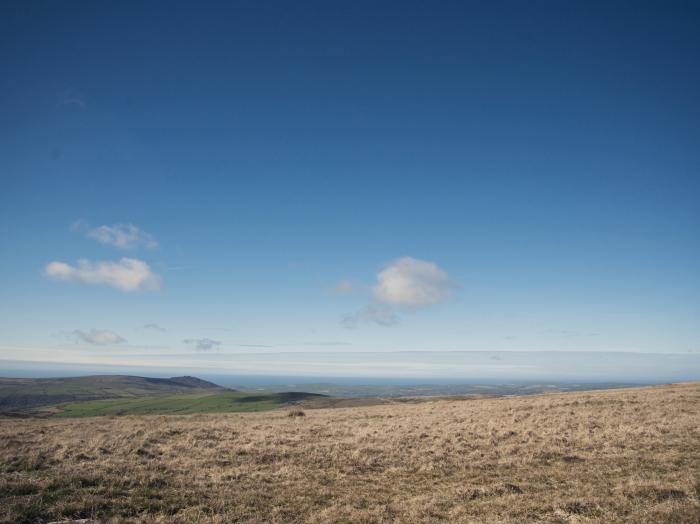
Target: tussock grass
(628, 455)
(295, 412)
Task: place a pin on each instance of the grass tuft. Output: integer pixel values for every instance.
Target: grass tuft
(295, 412)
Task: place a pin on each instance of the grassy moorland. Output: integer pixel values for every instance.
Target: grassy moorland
(224, 402)
(630, 455)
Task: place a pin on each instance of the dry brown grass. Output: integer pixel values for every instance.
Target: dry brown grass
(607, 456)
(296, 411)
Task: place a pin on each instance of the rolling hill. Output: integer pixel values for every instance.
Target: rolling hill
(18, 394)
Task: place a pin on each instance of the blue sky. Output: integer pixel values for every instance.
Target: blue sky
(347, 176)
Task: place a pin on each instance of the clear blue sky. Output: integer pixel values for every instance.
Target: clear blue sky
(347, 176)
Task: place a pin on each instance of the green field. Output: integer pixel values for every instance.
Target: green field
(17, 394)
(182, 404)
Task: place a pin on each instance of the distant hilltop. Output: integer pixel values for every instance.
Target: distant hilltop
(22, 393)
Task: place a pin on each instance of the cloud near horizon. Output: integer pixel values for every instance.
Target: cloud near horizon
(128, 274)
(153, 327)
(123, 236)
(372, 314)
(97, 337)
(203, 344)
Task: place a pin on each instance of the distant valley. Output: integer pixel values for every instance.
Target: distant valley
(118, 395)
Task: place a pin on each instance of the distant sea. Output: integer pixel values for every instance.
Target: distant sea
(404, 372)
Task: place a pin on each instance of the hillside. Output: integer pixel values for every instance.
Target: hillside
(628, 455)
(22, 393)
(183, 404)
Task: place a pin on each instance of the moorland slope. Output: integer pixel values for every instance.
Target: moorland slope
(628, 455)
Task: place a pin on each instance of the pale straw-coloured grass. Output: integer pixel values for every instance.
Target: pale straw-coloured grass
(630, 455)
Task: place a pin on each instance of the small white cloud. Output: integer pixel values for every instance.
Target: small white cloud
(123, 236)
(98, 337)
(411, 283)
(343, 287)
(372, 314)
(128, 274)
(203, 344)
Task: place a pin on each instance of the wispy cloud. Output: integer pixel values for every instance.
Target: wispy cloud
(570, 333)
(72, 98)
(411, 283)
(123, 236)
(328, 343)
(342, 287)
(370, 314)
(97, 337)
(79, 225)
(203, 344)
(128, 274)
(153, 327)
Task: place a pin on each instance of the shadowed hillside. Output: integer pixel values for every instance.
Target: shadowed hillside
(23, 393)
(629, 455)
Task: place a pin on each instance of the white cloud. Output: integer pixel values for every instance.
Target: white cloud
(123, 236)
(406, 284)
(371, 313)
(99, 337)
(128, 274)
(343, 287)
(203, 344)
(411, 283)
